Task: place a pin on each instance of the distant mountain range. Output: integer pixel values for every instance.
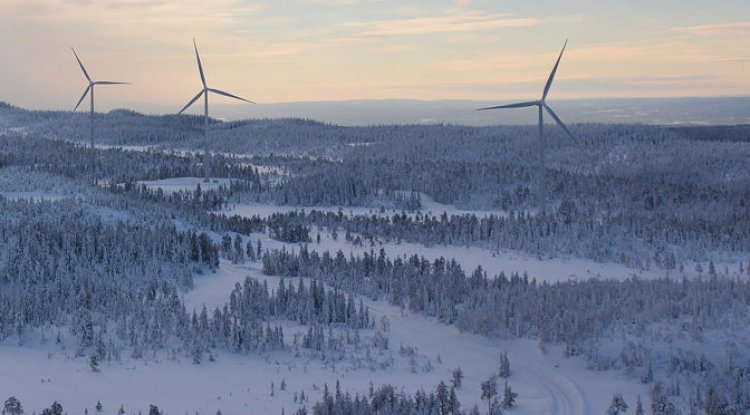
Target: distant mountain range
(664, 111)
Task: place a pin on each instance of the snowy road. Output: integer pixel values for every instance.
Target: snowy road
(540, 390)
(564, 395)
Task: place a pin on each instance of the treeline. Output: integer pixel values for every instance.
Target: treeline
(115, 165)
(387, 400)
(508, 306)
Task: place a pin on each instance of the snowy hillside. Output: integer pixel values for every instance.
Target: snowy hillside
(417, 271)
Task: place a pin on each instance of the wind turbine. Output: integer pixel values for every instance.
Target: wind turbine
(204, 92)
(542, 104)
(90, 88)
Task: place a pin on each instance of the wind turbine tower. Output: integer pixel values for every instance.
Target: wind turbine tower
(204, 92)
(90, 90)
(543, 106)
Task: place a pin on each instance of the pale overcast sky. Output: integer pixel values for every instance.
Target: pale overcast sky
(322, 50)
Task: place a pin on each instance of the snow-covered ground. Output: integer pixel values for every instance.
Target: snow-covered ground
(493, 261)
(546, 383)
(177, 184)
(429, 206)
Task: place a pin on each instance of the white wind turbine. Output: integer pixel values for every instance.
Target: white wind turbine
(542, 104)
(204, 92)
(90, 88)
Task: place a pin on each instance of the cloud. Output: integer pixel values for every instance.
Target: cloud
(461, 22)
(166, 12)
(720, 29)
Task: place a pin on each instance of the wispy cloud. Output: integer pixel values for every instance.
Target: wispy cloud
(453, 23)
(723, 29)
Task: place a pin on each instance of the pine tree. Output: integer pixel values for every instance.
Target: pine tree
(54, 409)
(98, 406)
(12, 406)
(618, 405)
(489, 390)
(239, 254)
(250, 252)
(457, 379)
(443, 396)
(660, 403)
(197, 354)
(509, 397)
(454, 405)
(639, 407)
(715, 403)
(648, 374)
(504, 366)
(94, 362)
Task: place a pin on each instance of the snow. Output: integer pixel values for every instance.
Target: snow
(492, 261)
(139, 149)
(429, 206)
(177, 184)
(546, 383)
(36, 196)
(41, 372)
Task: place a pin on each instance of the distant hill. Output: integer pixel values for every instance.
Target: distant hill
(660, 111)
(663, 111)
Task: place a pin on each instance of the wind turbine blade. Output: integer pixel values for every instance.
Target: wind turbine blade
(558, 120)
(111, 83)
(191, 102)
(85, 92)
(518, 105)
(200, 65)
(227, 94)
(81, 64)
(554, 71)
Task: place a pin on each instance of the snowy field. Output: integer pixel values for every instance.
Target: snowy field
(492, 261)
(429, 206)
(189, 184)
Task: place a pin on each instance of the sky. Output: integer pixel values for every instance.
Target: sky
(273, 51)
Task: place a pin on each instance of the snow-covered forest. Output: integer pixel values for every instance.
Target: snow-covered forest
(382, 269)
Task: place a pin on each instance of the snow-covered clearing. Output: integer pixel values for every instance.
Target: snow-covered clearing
(429, 206)
(190, 184)
(493, 261)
